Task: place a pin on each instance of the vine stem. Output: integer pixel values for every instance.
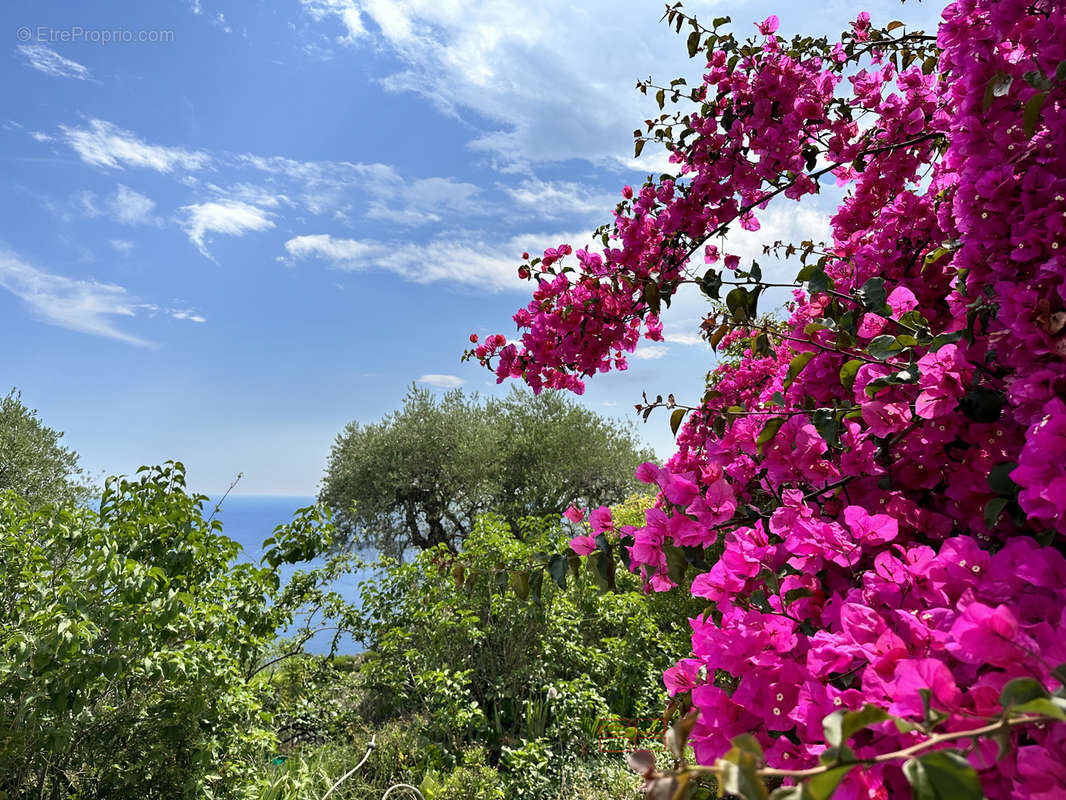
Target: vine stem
(907, 752)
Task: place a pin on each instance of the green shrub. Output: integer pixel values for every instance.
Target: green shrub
(485, 652)
(130, 642)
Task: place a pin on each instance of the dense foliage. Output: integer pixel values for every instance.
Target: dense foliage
(492, 648)
(421, 476)
(33, 463)
(884, 476)
(129, 640)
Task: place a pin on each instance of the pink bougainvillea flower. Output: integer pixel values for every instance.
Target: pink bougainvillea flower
(583, 545)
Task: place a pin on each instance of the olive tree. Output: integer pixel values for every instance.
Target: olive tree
(420, 476)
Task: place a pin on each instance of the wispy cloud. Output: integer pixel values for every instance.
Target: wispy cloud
(469, 261)
(46, 60)
(685, 338)
(537, 75)
(326, 186)
(104, 144)
(344, 11)
(442, 381)
(559, 199)
(122, 245)
(230, 217)
(130, 207)
(185, 314)
(126, 206)
(650, 351)
(86, 306)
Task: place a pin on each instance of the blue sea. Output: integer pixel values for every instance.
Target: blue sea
(250, 519)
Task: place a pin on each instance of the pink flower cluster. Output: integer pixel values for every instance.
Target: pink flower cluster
(899, 536)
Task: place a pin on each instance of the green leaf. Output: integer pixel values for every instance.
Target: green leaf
(1021, 690)
(520, 584)
(821, 787)
(915, 319)
(711, 283)
(638, 146)
(993, 510)
(675, 419)
(676, 563)
(942, 339)
(854, 721)
(792, 595)
(819, 282)
(1031, 114)
(737, 301)
(693, 44)
(872, 294)
(827, 424)
(536, 584)
(652, 297)
(998, 86)
(883, 347)
(848, 371)
(747, 743)
(934, 256)
(769, 431)
(739, 769)
(1043, 705)
(943, 775)
(557, 567)
(796, 365)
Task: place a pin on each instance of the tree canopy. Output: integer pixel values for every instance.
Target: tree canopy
(32, 461)
(421, 476)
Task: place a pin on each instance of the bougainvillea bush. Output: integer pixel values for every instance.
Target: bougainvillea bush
(884, 474)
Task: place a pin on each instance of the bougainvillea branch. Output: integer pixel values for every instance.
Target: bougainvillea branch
(872, 496)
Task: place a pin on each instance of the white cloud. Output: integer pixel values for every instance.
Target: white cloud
(442, 381)
(650, 351)
(327, 186)
(345, 11)
(558, 199)
(549, 81)
(230, 217)
(345, 254)
(86, 306)
(122, 245)
(41, 136)
(126, 206)
(552, 80)
(44, 59)
(684, 338)
(251, 194)
(185, 314)
(130, 207)
(104, 144)
(469, 261)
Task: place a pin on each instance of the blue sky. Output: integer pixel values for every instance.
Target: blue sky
(227, 229)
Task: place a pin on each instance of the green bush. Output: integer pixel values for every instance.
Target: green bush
(129, 639)
(485, 651)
